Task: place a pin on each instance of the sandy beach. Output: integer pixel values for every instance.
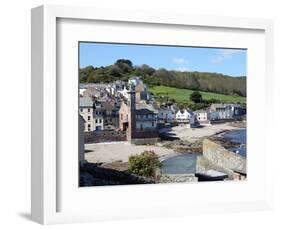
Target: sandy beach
(119, 151)
(184, 132)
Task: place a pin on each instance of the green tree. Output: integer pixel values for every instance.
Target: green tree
(115, 71)
(126, 66)
(144, 164)
(196, 97)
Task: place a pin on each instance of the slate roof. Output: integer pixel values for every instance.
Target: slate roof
(145, 109)
(86, 102)
(105, 105)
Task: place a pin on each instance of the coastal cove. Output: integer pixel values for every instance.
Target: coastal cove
(178, 158)
(185, 163)
(140, 124)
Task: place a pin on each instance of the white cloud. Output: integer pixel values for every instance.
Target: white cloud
(183, 69)
(225, 54)
(180, 61)
(182, 64)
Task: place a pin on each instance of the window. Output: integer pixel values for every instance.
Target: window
(89, 125)
(89, 118)
(96, 120)
(152, 124)
(100, 120)
(81, 110)
(89, 110)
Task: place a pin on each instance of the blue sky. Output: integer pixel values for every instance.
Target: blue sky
(226, 61)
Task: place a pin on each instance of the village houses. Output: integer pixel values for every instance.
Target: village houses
(226, 111)
(138, 120)
(128, 106)
(105, 115)
(167, 113)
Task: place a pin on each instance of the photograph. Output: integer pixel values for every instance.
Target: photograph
(155, 114)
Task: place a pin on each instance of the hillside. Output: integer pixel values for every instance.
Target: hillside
(203, 81)
(182, 95)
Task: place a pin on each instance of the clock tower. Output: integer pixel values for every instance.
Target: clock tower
(132, 112)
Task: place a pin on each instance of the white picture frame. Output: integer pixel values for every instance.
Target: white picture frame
(47, 175)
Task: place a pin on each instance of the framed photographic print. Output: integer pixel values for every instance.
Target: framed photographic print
(141, 114)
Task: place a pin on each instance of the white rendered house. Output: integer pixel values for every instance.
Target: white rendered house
(183, 115)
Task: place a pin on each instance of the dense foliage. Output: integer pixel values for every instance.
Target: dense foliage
(123, 69)
(196, 97)
(144, 164)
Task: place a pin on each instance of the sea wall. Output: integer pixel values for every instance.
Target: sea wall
(104, 136)
(223, 158)
(145, 141)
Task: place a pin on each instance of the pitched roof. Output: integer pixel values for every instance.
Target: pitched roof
(201, 111)
(145, 109)
(85, 102)
(222, 105)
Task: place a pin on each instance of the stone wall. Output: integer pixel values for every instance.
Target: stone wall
(145, 141)
(146, 134)
(203, 164)
(222, 157)
(94, 175)
(104, 136)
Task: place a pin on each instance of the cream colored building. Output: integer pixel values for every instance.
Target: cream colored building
(86, 111)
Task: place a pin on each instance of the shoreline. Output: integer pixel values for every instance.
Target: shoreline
(113, 157)
(190, 141)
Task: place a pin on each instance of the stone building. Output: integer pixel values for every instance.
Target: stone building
(139, 120)
(86, 111)
(105, 115)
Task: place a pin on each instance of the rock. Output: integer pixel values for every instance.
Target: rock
(177, 178)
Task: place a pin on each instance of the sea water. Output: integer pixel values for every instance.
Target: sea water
(237, 136)
(180, 164)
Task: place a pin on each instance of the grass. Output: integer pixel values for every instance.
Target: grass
(182, 95)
